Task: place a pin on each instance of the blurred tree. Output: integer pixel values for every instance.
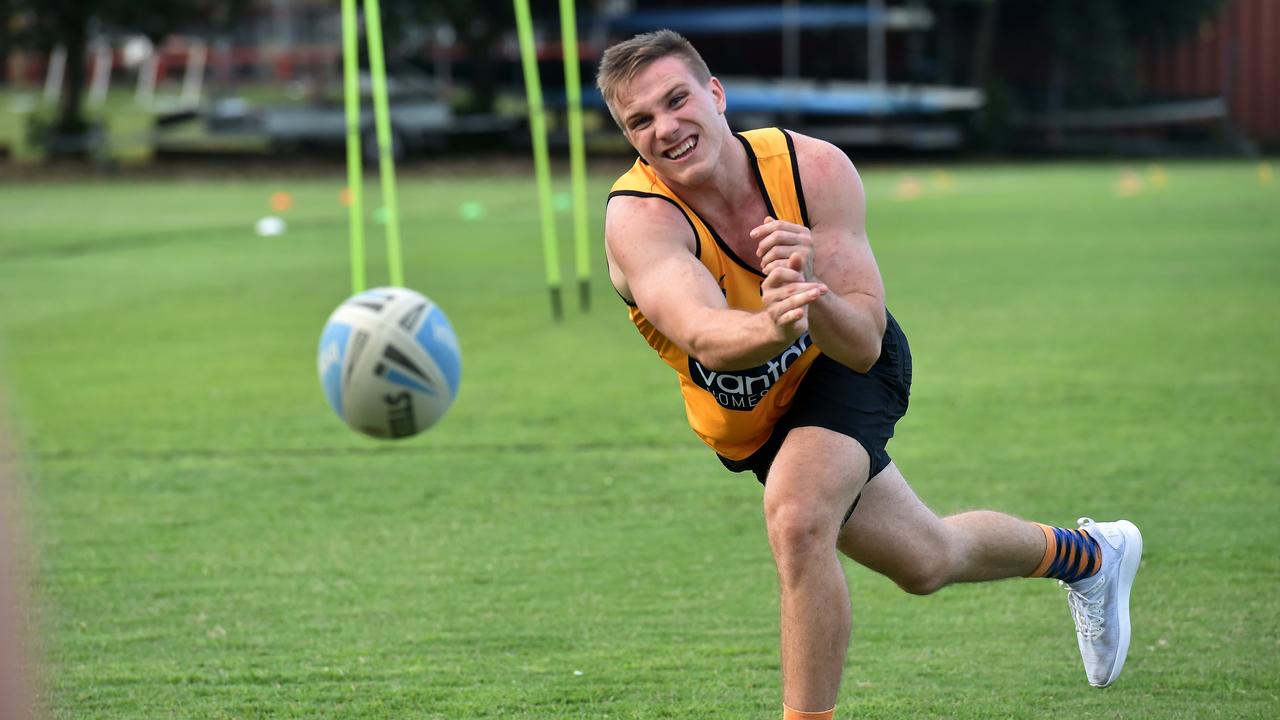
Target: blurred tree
(1092, 44)
(481, 26)
(1095, 42)
(1094, 39)
(1049, 55)
(49, 23)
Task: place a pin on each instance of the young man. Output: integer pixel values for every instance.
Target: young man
(745, 263)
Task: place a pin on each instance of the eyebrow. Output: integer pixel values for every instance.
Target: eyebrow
(680, 85)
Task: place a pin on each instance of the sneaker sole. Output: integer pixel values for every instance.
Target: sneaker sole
(1128, 569)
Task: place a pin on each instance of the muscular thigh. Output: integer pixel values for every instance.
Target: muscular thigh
(819, 469)
(892, 531)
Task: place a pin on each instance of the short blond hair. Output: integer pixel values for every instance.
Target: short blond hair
(623, 61)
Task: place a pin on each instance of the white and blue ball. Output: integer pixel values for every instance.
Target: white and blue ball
(389, 362)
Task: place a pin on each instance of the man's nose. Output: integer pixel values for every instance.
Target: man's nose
(667, 125)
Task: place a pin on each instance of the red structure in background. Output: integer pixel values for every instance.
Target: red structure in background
(1237, 56)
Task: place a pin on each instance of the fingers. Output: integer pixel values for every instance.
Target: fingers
(795, 261)
(806, 292)
(779, 241)
(771, 225)
(793, 312)
(781, 274)
(801, 259)
(797, 237)
(781, 301)
(782, 253)
(773, 232)
(795, 318)
(786, 278)
(787, 291)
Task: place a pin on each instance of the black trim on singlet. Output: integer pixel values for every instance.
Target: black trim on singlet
(795, 176)
(697, 242)
(755, 168)
(724, 247)
(624, 299)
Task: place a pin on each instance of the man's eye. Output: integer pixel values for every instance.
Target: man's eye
(639, 123)
(677, 100)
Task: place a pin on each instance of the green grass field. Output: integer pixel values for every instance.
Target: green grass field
(213, 543)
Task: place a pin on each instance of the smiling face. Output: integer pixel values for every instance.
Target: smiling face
(674, 121)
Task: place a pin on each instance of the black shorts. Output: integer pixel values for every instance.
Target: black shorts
(863, 406)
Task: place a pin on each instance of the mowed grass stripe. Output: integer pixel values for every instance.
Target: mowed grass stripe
(214, 543)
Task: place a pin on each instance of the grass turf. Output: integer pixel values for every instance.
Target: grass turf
(212, 542)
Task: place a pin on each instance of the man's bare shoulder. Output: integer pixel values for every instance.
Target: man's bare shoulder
(822, 163)
(832, 187)
(652, 219)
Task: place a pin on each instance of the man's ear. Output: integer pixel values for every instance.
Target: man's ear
(717, 91)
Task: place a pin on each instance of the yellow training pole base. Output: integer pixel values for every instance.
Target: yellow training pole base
(557, 306)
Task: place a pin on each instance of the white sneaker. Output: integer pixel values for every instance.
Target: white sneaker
(1100, 603)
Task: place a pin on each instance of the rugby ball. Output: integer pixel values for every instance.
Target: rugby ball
(389, 362)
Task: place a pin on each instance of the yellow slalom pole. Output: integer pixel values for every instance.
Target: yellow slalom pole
(382, 125)
(541, 163)
(355, 169)
(577, 151)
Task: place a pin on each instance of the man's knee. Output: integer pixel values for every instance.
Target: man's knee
(929, 562)
(921, 562)
(924, 577)
(799, 533)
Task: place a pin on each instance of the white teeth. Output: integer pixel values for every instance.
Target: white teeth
(685, 147)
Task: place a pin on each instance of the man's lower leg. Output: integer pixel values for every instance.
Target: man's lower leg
(992, 546)
(815, 626)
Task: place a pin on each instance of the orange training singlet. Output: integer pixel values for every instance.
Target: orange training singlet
(734, 411)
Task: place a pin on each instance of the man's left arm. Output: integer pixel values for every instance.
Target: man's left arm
(849, 321)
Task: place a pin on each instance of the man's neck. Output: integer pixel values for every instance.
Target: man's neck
(729, 187)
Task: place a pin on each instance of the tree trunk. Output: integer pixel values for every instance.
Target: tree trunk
(480, 51)
(984, 44)
(73, 33)
(480, 37)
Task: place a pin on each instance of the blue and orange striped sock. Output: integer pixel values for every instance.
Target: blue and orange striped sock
(1069, 555)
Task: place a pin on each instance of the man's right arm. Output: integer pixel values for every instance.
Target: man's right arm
(651, 250)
